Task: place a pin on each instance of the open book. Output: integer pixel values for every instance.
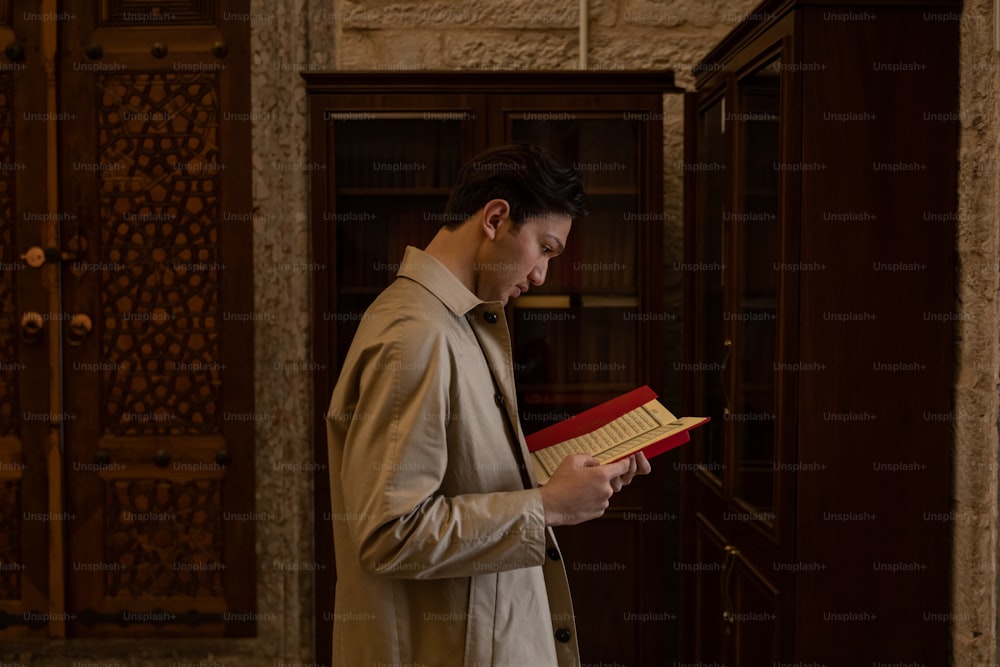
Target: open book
(633, 422)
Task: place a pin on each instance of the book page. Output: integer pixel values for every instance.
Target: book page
(628, 434)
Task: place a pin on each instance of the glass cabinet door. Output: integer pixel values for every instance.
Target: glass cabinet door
(712, 344)
(579, 332)
(391, 178)
(753, 226)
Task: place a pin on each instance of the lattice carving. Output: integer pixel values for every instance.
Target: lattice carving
(164, 538)
(11, 563)
(9, 261)
(162, 13)
(160, 179)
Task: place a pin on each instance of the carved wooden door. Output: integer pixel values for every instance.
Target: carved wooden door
(150, 335)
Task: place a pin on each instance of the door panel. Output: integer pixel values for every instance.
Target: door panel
(25, 421)
(706, 576)
(757, 617)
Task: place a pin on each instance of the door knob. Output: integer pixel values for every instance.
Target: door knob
(32, 325)
(35, 257)
(79, 328)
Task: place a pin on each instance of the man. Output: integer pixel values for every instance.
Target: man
(443, 544)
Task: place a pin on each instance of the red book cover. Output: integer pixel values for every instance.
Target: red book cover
(601, 415)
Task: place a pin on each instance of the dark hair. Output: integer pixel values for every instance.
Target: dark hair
(528, 177)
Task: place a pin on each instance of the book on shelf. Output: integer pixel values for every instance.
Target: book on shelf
(631, 423)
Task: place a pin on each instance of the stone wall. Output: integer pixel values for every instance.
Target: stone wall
(493, 34)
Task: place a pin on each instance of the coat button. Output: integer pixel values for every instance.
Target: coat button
(562, 635)
(552, 553)
(490, 317)
(499, 399)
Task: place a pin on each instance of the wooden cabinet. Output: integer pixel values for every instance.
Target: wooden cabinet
(819, 300)
(388, 147)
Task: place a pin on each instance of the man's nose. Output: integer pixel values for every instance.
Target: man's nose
(537, 275)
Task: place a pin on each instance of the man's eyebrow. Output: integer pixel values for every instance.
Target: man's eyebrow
(556, 242)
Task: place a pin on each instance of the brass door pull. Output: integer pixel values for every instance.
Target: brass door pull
(79, 328)
(32, 327)
(728, 564)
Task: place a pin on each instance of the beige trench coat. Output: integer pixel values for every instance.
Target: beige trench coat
(443, 557)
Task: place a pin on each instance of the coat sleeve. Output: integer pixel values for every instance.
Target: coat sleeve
(394, 460)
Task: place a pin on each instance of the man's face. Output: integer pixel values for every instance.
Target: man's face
(519, 258)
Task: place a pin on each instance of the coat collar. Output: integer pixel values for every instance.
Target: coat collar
(425, 269)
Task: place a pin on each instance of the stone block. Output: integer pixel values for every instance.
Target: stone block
(510, 50)
(691, 13)
(441, 14)
(391, 50)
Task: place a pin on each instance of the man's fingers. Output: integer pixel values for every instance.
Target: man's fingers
(638, 464)
(630, 473)
(616, 469)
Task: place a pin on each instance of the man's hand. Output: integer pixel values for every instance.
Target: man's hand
(580, 487)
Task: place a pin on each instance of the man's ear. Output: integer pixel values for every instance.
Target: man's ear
(495, 213)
